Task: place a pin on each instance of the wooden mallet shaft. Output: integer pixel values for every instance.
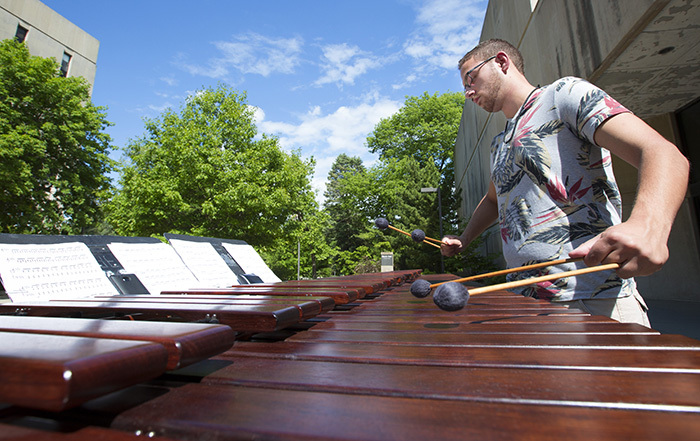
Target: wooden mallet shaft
(547, 278)
(409, 235)
(434, 240)
(510, 270)
(453, 296)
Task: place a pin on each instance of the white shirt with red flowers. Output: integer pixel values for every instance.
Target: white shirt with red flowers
(556, 187)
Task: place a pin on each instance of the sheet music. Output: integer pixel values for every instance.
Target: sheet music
(157, 266)
(32, 272)
(251, 262)
(205, 263)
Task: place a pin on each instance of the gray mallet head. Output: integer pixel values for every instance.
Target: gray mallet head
(420, 288)
(418, 235)
(451, 296)
(381, 223)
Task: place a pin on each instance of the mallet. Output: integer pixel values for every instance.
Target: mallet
(453, 296)
(383, 224)
(419, 236)
(421, 287)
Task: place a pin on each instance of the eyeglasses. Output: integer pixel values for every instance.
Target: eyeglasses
(468, 76)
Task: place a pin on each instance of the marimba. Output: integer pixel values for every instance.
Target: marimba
(342, 358)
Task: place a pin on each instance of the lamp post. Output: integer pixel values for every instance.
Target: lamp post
(298, 259)
(437, 190)
(295, 217)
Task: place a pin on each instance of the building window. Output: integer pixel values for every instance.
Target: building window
(21, 33)
(65, 63)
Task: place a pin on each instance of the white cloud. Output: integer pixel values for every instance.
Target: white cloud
(170, 81)
(162, 108)
(258, 114)
(342, 63)
(251, 53)
(325, 136)
(412, 77)
(446, 30)
(343, 130)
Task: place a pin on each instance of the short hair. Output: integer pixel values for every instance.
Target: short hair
(489, 48)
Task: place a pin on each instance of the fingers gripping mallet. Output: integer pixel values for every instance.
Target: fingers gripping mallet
(383, 224)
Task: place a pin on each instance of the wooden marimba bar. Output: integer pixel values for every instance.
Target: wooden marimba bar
(366, 360)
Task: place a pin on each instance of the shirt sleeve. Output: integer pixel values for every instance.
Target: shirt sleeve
(584, 107)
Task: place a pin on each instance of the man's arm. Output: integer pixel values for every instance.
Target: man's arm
(639, 244)
(485, 214)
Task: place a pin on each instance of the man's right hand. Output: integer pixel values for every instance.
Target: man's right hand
(451, 246)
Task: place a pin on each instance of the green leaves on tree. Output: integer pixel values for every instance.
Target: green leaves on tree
(204, 171)
(54, 162)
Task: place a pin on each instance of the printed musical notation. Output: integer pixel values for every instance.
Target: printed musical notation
(205, 263)
(250, 261)
(157, 266)
(44, 272)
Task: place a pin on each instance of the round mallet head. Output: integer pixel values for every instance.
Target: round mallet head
(418, 235)
(381, 223)
(420, 288)
(451, 296)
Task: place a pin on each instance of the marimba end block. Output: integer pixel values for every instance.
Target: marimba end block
(54, 373)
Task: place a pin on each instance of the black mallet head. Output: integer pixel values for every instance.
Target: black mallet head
(381, 223)
(418, 235)
(420, 288)
(451, 296)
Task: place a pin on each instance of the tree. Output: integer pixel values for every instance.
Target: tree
(350, 192)
(204, 171)
(347, 185)
(415, 148)
(357, 196)
(425, 128)
(400, 201)
(304, 238)
(53, 150)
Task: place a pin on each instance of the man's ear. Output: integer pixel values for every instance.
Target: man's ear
(503, 61)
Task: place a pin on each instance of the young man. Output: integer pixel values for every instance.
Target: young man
(552, 187)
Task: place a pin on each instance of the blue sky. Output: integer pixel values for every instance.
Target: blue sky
(320, 73)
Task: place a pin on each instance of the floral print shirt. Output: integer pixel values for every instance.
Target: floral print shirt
(556, 187)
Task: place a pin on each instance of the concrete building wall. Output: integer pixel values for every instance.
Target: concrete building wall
(645, 53)
(50, 35)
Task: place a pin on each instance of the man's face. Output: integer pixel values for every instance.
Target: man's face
(480, 82)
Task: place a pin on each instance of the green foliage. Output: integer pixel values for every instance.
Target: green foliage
(358, 261)
(303, 249)
(348, 191)
(53, 151)
(203, 171)
(425, 128)
(347, 188)
(415, 148)
(400, 201)
(364, 258)
(390, 189)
